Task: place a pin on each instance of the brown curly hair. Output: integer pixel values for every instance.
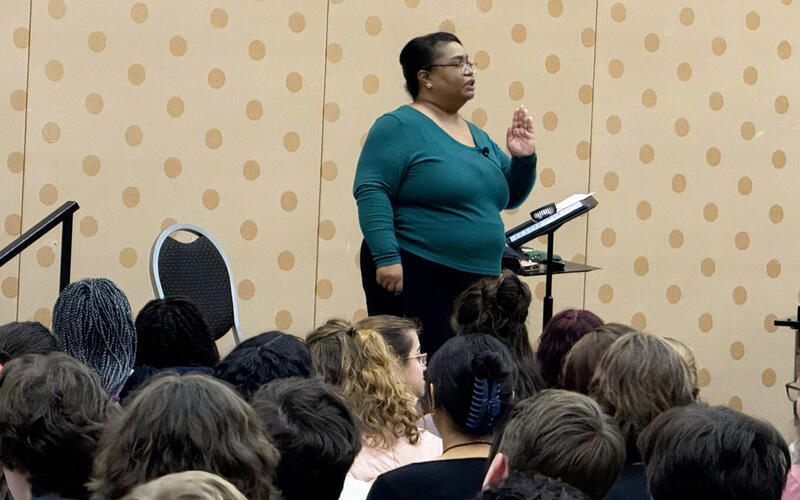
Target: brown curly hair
(362, 366)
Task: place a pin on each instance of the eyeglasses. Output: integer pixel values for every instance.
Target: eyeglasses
(466, 66)
(793, 392)
(422, 358)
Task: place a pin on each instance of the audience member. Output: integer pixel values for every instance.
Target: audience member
(180, 423)
(402, 336)
(470, 385)
(639, 377)
(260, 359)
(699, 452)
(315, 432)
(92, 323)
(531, 487)
(582, 359)
(189, 485)
(687, 356)
(25, 337)
(52, 410)
(360, 364)
(499, 307)
(558, 337)
(563, 435)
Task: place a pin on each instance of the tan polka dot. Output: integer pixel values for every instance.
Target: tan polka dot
(359, 314)
(618, 12)
(713, 156)
(651, 42)
(51, 132)
(684, 71)
(641, 266)
(605, 293)
(579, 258)
(610, 181)
(139, 13)
(246, 289)
(251, 170)
(479, 117)
(646, 153)
(703, 378)
(216, 78)
(737, 350)
(608, 237)
(12, 224)
(133, 135)
(334, 52)
(18, 99)
(447, 26)
(519, 33)
(331, 112)
(735, 403)
(15, 162)
(286, 260)
(169, 221)
(248, 230)
(324, 288)
(91, 165)
(750, 75)
(585, 94)
(649, 98)
(715, 101)
(555, 8)
(97, 41)
(748, 130)
(43, 316)
(678, 183)
(254, 110)
(644, 210)
(327, 229)
(373, 25)
(370, 84)
(482, 59)
(742, 240)
(288, 201)
(172, 167)
(54, 70)
(219, 18)
(768, 377)
(781, 104)
(20, 37)
(769, 323)
(88, 226)
(784, 50)
(177, 46)
(210, 199)
(10, 287)
(547, 177)
(752, 20)
(283, 320)
(639, 321)
(48, 194)
(681, 127)
(484, 5)
(583, 150)
(516, 90)
(686, 16)
(710, 212)
(778, 159)
(705, 322)
(719, 46)
(776, 213)
(291, 141)
(294, 82)
(676, 238)
(616, 68)
(411, 4)
(587, 37)
(94, 103)
(213, 138)
(773, 268)
(175, 106)
(552, 64)
(739, 295)
(56, 9)
(745, 185)
(136, 74)
(297, 22)
(707, 267)
(673, 294)
(613, 124)
(256, 50)
(538, 291)
(329, 170)
(128, 257)
(550, 120)
(130, 197)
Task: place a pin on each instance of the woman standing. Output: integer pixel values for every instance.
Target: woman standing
(430, 187)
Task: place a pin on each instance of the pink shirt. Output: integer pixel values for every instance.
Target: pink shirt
(372, 462)
(792, 490)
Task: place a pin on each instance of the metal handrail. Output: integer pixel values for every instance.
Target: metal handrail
(61, 215)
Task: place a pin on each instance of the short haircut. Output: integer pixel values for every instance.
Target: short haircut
(25, 337)
(420, 53)
(582, 359)
(189, 485)
(172, 332)
(531, 487)
(700, 452)
(394, 331)
(558, 337)
(639, 377)
(179, 423)
(565, 435)
(316, 433)
(52, 410)
(260, 359)
(473, 382)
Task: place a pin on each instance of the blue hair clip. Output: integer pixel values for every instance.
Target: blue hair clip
(477, 407)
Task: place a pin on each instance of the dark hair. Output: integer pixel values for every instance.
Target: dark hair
(25, 337)
(263, 358)
(473, 381)
(178, 423)
(582, 359)
(499, 307)
(315, 432)
(560, 334)
(531, 487)
(172, 332)
(700, 451)
(52, 410)
(394, 331)
(419, 54)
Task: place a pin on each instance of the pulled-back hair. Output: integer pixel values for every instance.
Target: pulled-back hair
(179, 423)
(394, 331)
(368, 375)
(25, 337)
(582, 359)
(473, 381)
(566, 435)
(558, 337)
(531, 487)
(687, 356)
(499, 307)
(188, 485)
(420, 53)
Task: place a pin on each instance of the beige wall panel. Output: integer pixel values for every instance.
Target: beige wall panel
(695, 162)
(14, 17)
(532, 53)
(148, 113)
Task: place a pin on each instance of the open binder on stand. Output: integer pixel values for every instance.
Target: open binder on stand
(546, 220)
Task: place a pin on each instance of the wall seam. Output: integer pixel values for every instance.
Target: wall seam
(591, 142)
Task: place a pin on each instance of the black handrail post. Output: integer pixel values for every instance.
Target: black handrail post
(66, 252)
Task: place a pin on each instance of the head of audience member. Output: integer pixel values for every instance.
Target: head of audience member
(531, 487)
(402, 336)
(172, 332)
(581, 361)
(189, 485)
(499, 307)
(564, 435)
(639, 377)
(92, 323)
(52, 411)
(263, 358)
(25, 337)
(470, 386)
(315, 432)
(361, 365)
(180, 423)
(687, 356)
(697, 452)
(563, 330)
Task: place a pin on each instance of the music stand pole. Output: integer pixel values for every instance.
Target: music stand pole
(547, 310)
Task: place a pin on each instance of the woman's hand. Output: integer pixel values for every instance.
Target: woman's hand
(519, 136)
(390, 277)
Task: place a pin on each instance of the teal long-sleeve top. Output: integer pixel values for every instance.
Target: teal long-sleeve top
(419, 189)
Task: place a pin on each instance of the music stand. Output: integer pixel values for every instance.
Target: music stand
(795, 324)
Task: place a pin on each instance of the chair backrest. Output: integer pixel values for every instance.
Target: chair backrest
(199, 271)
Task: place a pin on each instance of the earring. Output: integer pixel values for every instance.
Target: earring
(428, 85)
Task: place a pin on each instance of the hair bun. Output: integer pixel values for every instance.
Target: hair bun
(487, 365)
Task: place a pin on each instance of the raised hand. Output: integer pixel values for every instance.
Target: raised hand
(519, 136)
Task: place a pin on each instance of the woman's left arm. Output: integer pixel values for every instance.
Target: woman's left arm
(520, 172)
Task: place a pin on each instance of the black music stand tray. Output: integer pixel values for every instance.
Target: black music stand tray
(796, 325)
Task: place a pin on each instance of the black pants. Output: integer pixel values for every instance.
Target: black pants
(429, 290)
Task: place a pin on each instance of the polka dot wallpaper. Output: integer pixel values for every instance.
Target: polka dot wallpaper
(247, 118)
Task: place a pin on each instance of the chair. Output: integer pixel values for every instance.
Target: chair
(200, 272)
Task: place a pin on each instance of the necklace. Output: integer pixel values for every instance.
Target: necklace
(488, 443)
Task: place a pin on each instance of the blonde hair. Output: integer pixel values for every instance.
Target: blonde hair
(687, 356)
(361, 365)
(189, 485)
